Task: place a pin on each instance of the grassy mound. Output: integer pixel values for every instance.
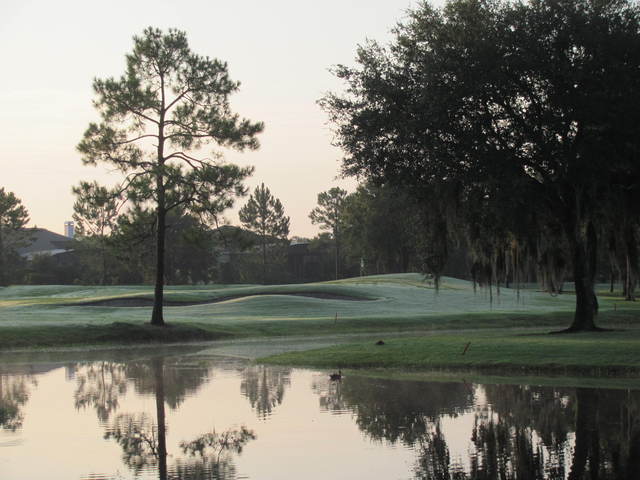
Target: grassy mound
(600, 354)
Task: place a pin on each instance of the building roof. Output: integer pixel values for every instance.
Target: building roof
(44, 241)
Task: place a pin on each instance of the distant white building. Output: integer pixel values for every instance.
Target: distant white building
(69, 230)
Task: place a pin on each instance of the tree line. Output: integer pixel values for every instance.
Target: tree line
(116, 246)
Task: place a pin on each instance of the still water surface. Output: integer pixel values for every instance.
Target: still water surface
(194, 415)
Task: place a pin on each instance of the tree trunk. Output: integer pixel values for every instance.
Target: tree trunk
(587, 448)
(612, 248)
(337, 258)
(104, 262)
(264, 259)
(156, 316)
(3, 278)
(631, 258)
(633, 457)
(158, 370)
(583, 242)
(161, 212)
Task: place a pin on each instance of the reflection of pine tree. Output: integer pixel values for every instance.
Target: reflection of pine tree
(211, 454)
(180, 379)
(264, 387)
(143, 438)
(101, 384)
(137, 435)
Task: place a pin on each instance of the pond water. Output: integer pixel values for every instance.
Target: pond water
(196, 415)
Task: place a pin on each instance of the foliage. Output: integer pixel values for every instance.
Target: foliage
(14, 393)
(13, 217)
(329, 215)
(45, 269)
(264, 388)
(513, 117)
(169, 104)
(189, 241)
(95, 216)
(95, 209)
(381, 229)
(263, 214)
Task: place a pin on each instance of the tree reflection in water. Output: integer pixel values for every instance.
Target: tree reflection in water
(100, 385)
(137, 435)
(403, 411)
(143, 437)
(330, 393)
(211, 454)
(264, 387)
(522, 432)
(14, 393)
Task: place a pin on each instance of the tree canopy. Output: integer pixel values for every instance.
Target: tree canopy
(329, 215)
(13, 217)
(264, 214)
(515, 119)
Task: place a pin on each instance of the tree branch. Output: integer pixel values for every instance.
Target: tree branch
(148, 135)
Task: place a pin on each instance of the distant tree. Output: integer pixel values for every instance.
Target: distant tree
(381, 228)
(329, 215)
(13, 217)
(263, 214)
(524, 111)
(95, 209)
(133, 245)
(95, 215)
(131, 248)
(169, 103)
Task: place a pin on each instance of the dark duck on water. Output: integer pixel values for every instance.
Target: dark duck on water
(336, 376)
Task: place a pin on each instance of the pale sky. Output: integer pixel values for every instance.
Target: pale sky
(280, 50)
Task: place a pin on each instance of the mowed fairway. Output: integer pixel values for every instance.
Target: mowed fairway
(402, 302)
(383, 296)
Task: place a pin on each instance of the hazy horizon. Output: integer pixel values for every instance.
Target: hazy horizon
(281, 53)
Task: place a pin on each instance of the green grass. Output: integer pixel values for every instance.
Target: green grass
(117, 333)
(45, 316)
(608, 353)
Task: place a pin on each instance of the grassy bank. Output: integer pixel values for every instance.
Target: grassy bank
(597, 354)
(118, 333)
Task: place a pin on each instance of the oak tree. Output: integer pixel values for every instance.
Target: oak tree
(525, 110)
